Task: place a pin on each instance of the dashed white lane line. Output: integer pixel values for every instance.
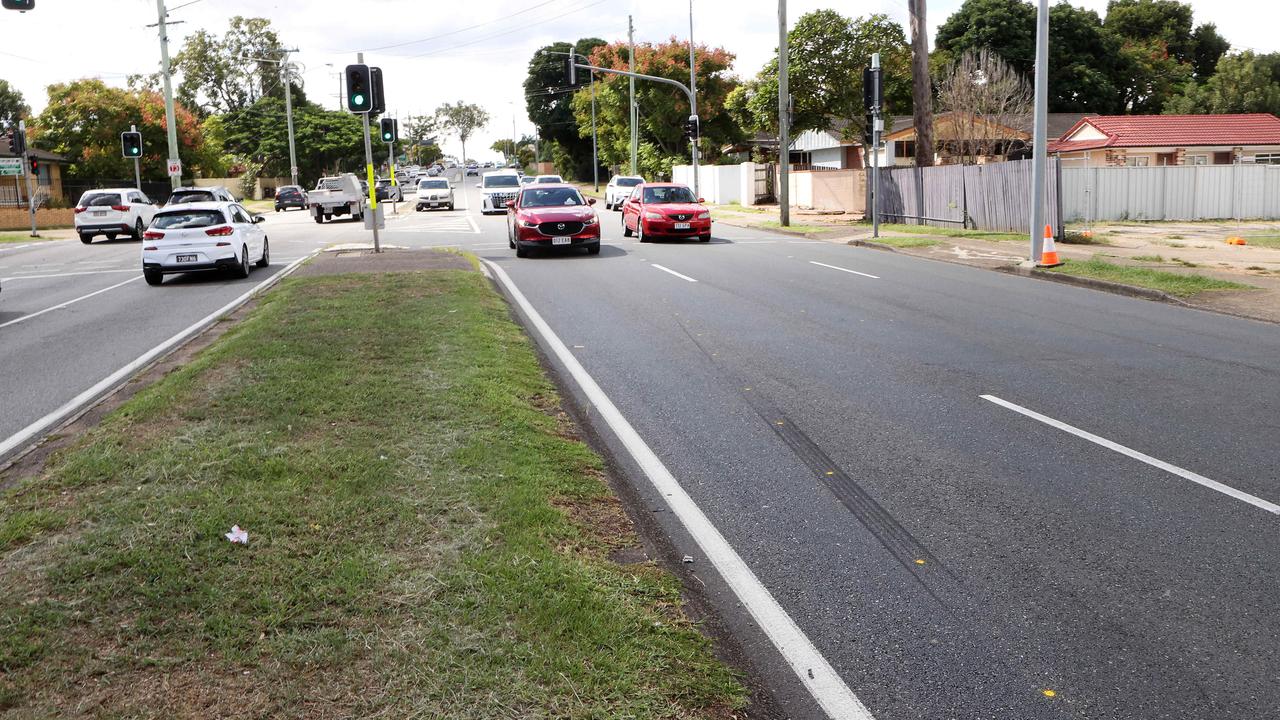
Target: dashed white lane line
(673, 272)
(59, 306)
(810, 666)
(1227, 490)
(836, 267)
(67, 274)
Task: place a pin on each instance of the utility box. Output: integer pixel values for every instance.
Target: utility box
(375, 216)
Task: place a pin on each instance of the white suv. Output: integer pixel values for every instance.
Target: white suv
(620, 187)
(496, 189)
(434, 193)
(112, 212)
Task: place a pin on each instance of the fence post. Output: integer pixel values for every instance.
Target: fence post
(1195, 190)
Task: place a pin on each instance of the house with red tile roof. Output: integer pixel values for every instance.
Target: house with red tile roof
(1153, 140)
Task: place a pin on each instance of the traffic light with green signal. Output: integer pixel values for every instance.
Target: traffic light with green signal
(359, 89)
(131, 144)
(390, 130)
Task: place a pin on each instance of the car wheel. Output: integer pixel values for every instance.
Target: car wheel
(704, 238)
(111, 236)
(242, 271)
(265, 260)
(277, 208)
(521, 252)
(319, 219)
(450, 206)
(640, 230)
(593, 248)
(138, 230)
(153, 277)
(86, 239)
(626, 231)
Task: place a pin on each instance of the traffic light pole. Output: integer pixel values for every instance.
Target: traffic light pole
(368, 165)
(784, 121)
(26, 177)
(391, 169)
(137, 165)
(595, 154)
(666, 81)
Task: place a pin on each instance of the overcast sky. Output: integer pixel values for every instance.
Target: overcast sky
(472, 51)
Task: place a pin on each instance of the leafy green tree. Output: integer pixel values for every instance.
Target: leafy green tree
(327, 141)
(1210, 47)
(1242, 83)
(461, 119)
(1149, 76)
(12, 107)
(1007, 27)
(826, 54)
(1083, 62)
(549, 103)
(663, 108)
(219, 74)
(84, 118)
(1166, 22)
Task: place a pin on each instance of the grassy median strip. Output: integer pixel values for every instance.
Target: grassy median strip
(1177, 284)
(427, 537)
(951, 232)
(905, 242)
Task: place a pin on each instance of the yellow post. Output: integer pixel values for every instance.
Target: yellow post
(373, 191)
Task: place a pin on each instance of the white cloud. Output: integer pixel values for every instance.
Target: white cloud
(67, 39)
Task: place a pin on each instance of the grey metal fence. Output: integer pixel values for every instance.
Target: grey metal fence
(994, 196)
(1187, 192)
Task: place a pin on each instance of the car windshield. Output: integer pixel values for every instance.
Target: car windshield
(100, 200)
(550, 180)
(550, 197)
(494, 181)
(628, 182)
(188, 219)
(526, 180)
(434, 184)
(191, 196)
(659, 195)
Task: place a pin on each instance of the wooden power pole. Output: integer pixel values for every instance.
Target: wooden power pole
(921, 87)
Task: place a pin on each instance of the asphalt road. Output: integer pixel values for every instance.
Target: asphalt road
(850, 421)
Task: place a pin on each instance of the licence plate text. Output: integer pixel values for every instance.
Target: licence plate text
(561, 240)
(682, 226)
(186, 258)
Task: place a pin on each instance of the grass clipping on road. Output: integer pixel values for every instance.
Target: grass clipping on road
(1176, 284)
(427, 538)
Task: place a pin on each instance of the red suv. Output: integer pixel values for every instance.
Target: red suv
(552, 216)
(665, 210)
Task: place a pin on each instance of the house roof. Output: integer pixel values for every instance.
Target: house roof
(1172, 131)
(42, 154)
(1059, 123)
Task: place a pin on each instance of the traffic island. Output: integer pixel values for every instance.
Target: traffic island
(423, 532)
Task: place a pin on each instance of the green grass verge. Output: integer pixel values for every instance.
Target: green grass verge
(1149, 258)
(427, 537)
(906, 242)
(952, 232)
(24, 236)
(1177, 284)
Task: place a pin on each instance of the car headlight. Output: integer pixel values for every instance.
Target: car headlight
(591, 220)
(529, 223)
(705, 215)
(653, 216)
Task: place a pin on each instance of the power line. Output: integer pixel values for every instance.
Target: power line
(458, 31)
(508, 32)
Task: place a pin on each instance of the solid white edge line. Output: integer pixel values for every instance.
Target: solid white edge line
(59, 306)
(1142, 457)
(834, 267)
(809, 665)
(30, 432)
(673, 272)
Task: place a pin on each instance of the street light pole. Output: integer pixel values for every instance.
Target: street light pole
(288, 112)
(1039, 141)
(635, 128)
(693, 101)
(174, 180)
(595, 157)
(784, 121)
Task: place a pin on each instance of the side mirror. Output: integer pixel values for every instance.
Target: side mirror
(702, 200)
(510, 203)
(591, 201)
(258, 219)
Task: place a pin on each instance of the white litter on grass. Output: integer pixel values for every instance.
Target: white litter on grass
(238, 536)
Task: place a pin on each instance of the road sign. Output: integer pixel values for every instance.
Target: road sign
(10, 167)
(175, 167)
(293, 170)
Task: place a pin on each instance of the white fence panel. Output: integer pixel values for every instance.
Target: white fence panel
(1201, 192)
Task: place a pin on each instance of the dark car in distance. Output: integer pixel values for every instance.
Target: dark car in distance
(291, 196)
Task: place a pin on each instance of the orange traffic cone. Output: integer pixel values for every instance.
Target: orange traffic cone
(1049, 253)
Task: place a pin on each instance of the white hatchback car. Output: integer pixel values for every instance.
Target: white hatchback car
(112, 212)
(434, 193)
(619, 189)
(203, 236)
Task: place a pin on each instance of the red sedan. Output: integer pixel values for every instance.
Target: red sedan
(552, 216)
(665, 210)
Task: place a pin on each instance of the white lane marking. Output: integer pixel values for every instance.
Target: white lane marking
(15, 247)
(753, 242)
(673, 272)
(809, 665)
(475, 229)
(59, 306)
(55, 418)
(808, 242)
(835, 267)
(1141, 457)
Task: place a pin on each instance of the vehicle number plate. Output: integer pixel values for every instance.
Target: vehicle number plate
(682, 226)
(561, 240)
(99, 213)
(186, 258)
